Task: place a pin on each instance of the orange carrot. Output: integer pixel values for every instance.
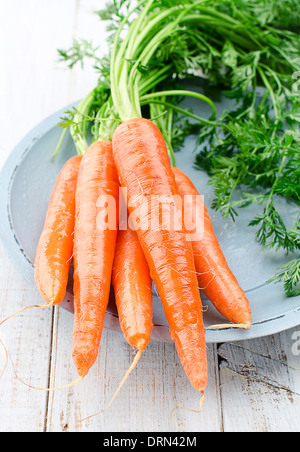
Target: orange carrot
(133, 290)
(97, 198)
(55, 248)
(144, 169)
(214, 275)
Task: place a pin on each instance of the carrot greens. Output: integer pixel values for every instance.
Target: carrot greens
(250, 51)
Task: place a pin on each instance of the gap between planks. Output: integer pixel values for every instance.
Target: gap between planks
(51, 370)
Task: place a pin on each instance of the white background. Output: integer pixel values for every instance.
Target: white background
(253, 386)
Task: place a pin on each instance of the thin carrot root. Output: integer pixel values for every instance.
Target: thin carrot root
(201, 404)
(50, 305)
(132, 367)
(70, 385)
(28, 385)
(202, 400)
(242, 326)
(6, 359)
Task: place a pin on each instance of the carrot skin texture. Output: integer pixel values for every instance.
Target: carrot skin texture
(144, 168)
(133, 290)
(55, 249)
(94, 248)
(215, 278)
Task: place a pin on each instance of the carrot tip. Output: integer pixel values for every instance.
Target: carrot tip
(246, 326)
(242, 326)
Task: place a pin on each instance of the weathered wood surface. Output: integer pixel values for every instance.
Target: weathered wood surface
(254, 386)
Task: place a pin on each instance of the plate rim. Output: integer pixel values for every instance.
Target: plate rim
(17, 255)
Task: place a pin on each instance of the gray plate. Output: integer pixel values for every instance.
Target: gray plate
(26, 182)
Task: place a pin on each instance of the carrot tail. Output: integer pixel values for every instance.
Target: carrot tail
(59, 388)
(6, 358)
(201, 404)
(42, 306)
(127, 375)
(242, 326)
(31, 386)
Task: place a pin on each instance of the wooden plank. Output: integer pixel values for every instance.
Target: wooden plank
(30, 89)
(146, 401)
(33, 85)
(27, 338)
(260, 385)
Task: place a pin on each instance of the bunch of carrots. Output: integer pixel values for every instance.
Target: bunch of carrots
(130, 152)
(138, 160)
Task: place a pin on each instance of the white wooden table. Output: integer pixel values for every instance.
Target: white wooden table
(253, 386)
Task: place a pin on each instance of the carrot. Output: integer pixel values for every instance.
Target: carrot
(133, 290)
(55, 248)
(144, 169)
(97, 197)
(215, 278)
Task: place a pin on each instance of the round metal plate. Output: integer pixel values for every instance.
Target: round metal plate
(26, 182)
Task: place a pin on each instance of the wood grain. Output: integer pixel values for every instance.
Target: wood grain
(253, 386)
(27, 338)
(146, 401)
(260, 385)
